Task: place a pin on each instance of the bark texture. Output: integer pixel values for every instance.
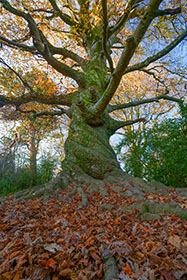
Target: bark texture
(90, 158)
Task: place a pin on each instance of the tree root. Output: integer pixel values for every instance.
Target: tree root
(136, 187)
(84, 197)
(110, 268)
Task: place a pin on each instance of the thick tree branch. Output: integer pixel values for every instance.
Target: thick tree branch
(35, 114)
(105, 34)
(122, 20)
(50, 113)
(64, 52)
(63, 68)
(143, 101)
(67, 19)
(33, 95)
(16, 44)
(120, 124)
(131, 45)
(159, 55)
(30, 97)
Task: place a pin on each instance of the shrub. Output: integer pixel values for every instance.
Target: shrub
(159, 153)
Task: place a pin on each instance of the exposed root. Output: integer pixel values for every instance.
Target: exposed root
(117, 179)
(83, 195)
(110, 268)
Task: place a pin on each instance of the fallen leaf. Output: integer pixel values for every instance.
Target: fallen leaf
(50, 263)
(95, 256)
(175, 240)
(90, 241)
(65, 272)
(6, 248)
(53, 247)
(116, 221)
(127, 270)
(64, 264)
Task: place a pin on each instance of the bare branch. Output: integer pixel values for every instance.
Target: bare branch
(18, 75)
(132, 12)
(43, 11)
(61, 99)
(17, 44)
(25, 111)
(168, 12)
(121, 22)
(32, 95)
(159, 55)
(63, 68)
(154, 76)
(105, 34)
(144, 101)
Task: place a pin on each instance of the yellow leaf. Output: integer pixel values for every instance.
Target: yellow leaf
(184, 205)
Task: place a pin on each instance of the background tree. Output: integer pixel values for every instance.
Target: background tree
(29, 131)
(77, 40)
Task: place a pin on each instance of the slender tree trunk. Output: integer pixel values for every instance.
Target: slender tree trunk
(33, 153)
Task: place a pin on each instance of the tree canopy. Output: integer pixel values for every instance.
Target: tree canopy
(94, 29)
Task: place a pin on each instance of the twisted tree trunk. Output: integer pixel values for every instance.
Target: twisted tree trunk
(89, 157)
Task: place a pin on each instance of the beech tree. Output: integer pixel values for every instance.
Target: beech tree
(79, 40)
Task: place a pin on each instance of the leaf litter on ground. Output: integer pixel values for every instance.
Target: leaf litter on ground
(57, 239)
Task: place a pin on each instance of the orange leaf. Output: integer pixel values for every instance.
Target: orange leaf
(175, 240)
(140, 255)
(127, 270)
(90, 241)
(64, 264)
(22, 260)
(149, 245)
(60, 241)
(17, 276)
(100, 271)
(81, 276)
(50, 263)
(7, 275)
(116, 221)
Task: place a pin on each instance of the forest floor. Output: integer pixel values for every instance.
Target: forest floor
(116, 236)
